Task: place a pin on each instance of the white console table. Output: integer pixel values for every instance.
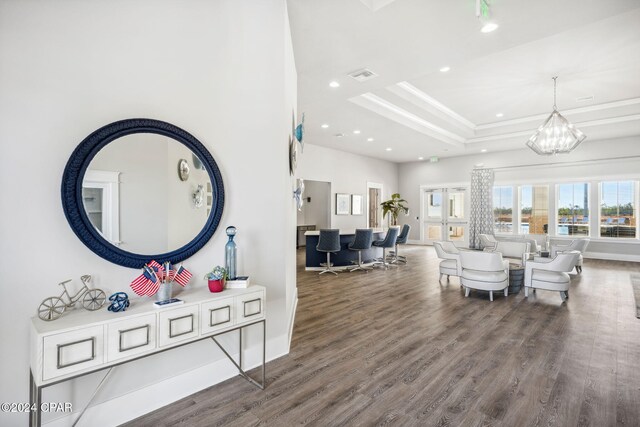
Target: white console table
(82, 342)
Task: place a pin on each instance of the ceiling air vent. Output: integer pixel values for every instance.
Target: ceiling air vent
(362, 75)
(585, 98)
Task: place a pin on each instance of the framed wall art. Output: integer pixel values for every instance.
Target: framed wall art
(356, 204)
(343, 204)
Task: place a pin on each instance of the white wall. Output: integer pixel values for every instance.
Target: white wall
(526, 167)
(318, 211)
(287, 204)
(222, 70)
(185, 220)
(347, 173)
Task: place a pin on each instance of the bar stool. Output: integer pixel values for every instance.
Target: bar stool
(402, 240)
(388, 242)
(329, 241)
(362, 241)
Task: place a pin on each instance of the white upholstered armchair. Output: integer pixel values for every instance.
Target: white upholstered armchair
(579, 245)
(450, 256)
(512, 250)
(550, 273)
(487, 241)
(485, 271)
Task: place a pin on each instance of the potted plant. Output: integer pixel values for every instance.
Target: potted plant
(216, 278)
(394, 207)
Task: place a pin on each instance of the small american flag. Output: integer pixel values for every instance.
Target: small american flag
(139, 284)
(183, 276)
(145, 284)
(154, 264)
(159, 273)
(158, 269)
(170, 272)
(153, 282)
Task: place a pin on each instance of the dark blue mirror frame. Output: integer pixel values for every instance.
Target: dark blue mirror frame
(72, 191)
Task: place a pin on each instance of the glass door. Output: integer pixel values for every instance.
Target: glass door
(456, 224)
(445, 215)
(433, 217)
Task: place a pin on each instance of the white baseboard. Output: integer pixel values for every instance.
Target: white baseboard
(612, 257)
(415, 242)
(139, 402)
(292, 318)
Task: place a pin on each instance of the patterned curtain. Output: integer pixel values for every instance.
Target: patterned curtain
(481, 217)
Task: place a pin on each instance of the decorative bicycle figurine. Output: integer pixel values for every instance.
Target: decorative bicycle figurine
(53, 307)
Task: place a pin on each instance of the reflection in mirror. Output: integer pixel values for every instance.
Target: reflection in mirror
(133, 195)
(92, 198)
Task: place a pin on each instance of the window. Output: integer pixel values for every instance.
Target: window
(573, 209)
(456, 203)
(503, 209)
(534, 209)
(434, 206)
(618, 209)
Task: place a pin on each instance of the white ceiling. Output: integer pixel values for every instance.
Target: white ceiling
(413, 108)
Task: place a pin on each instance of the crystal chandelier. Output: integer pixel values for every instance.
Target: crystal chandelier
(556, 134)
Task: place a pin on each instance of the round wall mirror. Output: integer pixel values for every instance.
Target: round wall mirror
(124, 200)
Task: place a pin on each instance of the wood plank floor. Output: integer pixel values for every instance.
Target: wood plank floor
(399, 348)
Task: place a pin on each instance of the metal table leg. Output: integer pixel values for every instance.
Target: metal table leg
(102, 382)
(239, 365)
(35, 398)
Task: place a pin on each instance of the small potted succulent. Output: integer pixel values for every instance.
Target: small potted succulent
(216, 278)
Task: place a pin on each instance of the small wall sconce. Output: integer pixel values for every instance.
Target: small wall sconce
(198, 196)
(297, 194)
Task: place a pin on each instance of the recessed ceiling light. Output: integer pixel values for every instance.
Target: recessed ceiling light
(334, 84)
(324, 126)
(388, 149)
(484, 150)
(499, 115)
(357, 132)
(444, 69)
(420, 158)
(370, 139)
(489, 27)
(339, 135)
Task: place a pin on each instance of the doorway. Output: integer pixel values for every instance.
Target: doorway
(101, 199)
(374, 211)
(316, 210)
(444, 215)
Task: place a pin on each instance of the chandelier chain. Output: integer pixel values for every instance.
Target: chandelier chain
(555, 81)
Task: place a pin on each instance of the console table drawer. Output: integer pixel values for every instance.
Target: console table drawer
(178, 325)
(250, 307)
(130, 337)
(216, 315)
(72, 351)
